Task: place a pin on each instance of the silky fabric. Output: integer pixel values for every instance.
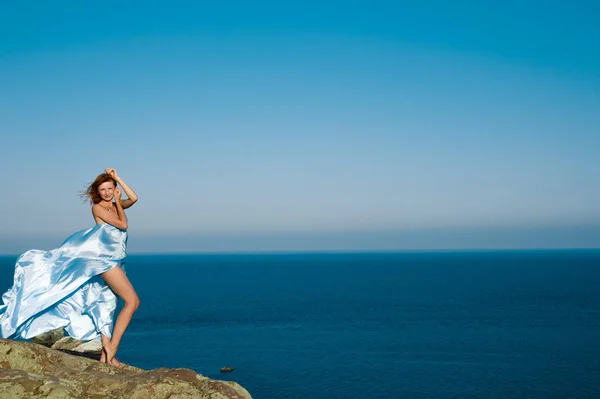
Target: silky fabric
(63, 287)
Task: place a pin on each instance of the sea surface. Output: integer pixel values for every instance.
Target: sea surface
(488, 324)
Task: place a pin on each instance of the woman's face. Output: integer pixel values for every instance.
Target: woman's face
(106, 190)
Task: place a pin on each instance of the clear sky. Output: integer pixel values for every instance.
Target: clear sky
(304, 125)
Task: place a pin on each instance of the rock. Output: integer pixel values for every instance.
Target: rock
(28, 370)
(226, 369)
(67, 343)
(89, 347)
(48, 339)
(75, 345)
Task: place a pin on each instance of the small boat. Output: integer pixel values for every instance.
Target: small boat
(226, 369)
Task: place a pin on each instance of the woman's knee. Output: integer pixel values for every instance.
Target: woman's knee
(133, 303)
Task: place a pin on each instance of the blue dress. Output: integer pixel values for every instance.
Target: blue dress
(63, 288)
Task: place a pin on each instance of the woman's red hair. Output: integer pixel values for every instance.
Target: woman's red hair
(91, 193)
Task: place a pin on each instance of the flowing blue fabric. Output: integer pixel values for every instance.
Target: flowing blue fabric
(63, 288)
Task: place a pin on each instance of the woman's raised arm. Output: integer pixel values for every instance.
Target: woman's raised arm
(131, 195)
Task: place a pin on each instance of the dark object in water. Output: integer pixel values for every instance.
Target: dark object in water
(226, 369)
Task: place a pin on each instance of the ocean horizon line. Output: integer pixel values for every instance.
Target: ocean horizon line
(349, 251)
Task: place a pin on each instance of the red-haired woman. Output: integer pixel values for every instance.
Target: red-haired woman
(74, 286)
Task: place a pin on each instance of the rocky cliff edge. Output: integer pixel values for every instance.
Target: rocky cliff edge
(30, 370)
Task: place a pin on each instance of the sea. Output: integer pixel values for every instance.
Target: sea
(439, 324)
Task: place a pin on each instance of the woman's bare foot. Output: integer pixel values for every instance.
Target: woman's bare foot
(108, 353)
(114, 362)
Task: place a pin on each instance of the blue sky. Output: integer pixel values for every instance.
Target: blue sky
(299, 126)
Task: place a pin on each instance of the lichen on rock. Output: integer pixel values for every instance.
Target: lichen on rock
(49, 338)
(29, 370)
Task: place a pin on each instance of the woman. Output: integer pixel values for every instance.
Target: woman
(74, 286)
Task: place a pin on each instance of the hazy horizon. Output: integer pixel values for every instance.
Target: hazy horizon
(429, 239)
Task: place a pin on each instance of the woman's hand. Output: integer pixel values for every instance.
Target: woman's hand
(131, 195)
(117, 194)
(112, 173)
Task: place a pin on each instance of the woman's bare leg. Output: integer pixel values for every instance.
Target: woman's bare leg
(105, 343)
(119, 283)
